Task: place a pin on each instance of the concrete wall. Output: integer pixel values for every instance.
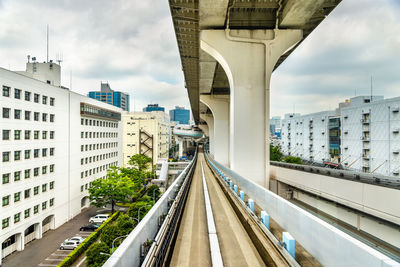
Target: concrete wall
(379, 201)
(330, 246)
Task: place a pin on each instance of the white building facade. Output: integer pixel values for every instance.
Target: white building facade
(369, 135)
(53, 143)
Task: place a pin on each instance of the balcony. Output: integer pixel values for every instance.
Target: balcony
(396, 131)
(365, 138)
(365, 121)
(366, 128)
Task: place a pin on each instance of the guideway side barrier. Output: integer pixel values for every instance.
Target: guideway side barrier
(272, 251)
(324, 242)
(158, 227)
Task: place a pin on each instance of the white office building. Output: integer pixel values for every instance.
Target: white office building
(53, 143)
(368, 131)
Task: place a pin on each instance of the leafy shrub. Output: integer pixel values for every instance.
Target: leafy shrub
(93, 256)
(109, 233)
(125, 224)
(140, 205)
(291, 159)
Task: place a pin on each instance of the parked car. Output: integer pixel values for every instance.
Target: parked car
(69, 245)
(89, 227)
(99, 218)
(78, 239)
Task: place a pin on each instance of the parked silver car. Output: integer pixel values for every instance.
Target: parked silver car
(78, 239)
(69, 245)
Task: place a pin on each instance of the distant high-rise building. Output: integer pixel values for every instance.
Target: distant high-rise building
(153, 107)
(180, 114)
(109, 96)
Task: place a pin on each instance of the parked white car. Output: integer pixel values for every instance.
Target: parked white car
(99, 218)
(69, 245)
(78, 239)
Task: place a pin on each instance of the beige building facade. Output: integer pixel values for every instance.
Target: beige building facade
(146, 133)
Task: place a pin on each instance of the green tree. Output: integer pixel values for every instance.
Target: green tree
(115, 188)
(109, 233)
(140, 162)
(125, 224)
(291, 159)
(275, 153)
(154, 192)
(141, 206)
(93, 256)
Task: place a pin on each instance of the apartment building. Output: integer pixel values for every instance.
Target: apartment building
(146, 133)
(53, 143)
(363, 134)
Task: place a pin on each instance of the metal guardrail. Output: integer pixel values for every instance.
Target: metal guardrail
(369, 178)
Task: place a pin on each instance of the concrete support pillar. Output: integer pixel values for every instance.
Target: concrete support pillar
(248, 58)
(209, 119)
(20, 238)
(204, 128)
(38, 231)
(219, 106)
(180, 144)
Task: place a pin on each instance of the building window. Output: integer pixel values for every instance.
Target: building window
(27, 193)
(6, 156)
(17, 197)
(44, 100)
(44, 187)
(44, 152)
(6, 91)
(44, 205)
(51, 117)
(27, 213)
(6, 134)
(44, 135)
(17, 114)
(27, 115)
(36, 116)
(6, 178)
(36, 209)
(27, 134)
(6, 201)
(52, 168)
(51, 101)
(17, 176)
(51, 134)
(17, 134)
(82, 188)
(17, 155)
(51, 202)
(5, 223)
(17, 93)
(27, 173)
(6, 113)
(36, 135)
(27, 96)
(36, 98)
(44, 117)
(36, 190)
(17, 217)
(44, 169)
(36, 171)
(36, 153)
(27, 154)
(52, 151)
(51, 185)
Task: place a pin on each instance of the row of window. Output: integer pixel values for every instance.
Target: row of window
(27, 96)
(27, 193)
(27, 115)
(98, 134)
(100, 123)
(27, 173)
(27, 134)
(98, 169)
(27, 154)
(98, 146)
(27, 213)
(98, 157)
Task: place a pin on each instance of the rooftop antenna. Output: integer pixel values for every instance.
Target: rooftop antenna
(47, 43)
(371, 88)
(59, 58)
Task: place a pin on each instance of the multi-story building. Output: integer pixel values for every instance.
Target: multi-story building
(53, 143)
(363, 135)
(180, 115)
(109, 96)
(153, 107)
(145, 133)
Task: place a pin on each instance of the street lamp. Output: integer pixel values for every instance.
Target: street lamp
(138, 213)
(102, 253)
(112, 248)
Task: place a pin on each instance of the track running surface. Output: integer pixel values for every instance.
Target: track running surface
(192, 244)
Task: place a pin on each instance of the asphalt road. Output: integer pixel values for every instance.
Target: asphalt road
(37, 251)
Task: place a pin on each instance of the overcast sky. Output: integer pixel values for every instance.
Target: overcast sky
(131, 44)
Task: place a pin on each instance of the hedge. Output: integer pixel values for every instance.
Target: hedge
(70, 259)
